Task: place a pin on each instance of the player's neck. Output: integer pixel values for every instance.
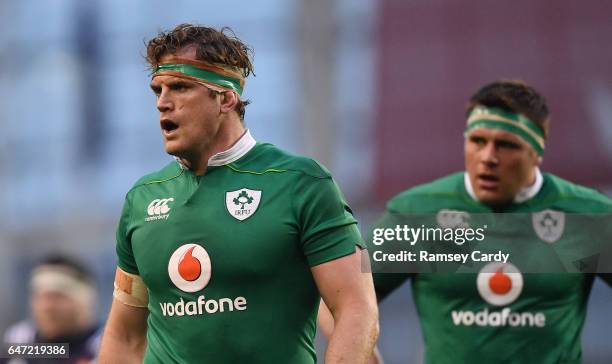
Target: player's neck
(228, 134)
(531, 187)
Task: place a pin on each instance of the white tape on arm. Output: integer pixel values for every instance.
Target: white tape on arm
(130, 289)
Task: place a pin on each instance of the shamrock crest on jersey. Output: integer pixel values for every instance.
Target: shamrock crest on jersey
(548, 225)
(243, 199)
(242, 203)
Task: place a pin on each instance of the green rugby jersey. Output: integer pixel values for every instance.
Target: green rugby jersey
(226, 256)
(466, 317)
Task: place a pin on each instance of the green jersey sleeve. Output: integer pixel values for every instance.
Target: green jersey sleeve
(328, 228)
(125, 255)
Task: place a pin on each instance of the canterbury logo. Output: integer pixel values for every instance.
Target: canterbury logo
(158, 209)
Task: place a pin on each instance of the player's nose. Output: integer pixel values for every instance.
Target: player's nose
(164, 101)
(488, 154)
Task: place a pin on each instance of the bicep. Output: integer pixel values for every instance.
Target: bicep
(341, 282)
(124, 339)
(127, 322)
(128, 315)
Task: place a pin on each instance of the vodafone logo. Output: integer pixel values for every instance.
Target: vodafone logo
(189, 268)
(499, 283)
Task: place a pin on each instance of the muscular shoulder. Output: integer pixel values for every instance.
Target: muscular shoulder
(267, 158)
(447, 192)
(575, 198)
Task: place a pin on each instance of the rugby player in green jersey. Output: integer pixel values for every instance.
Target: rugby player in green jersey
(225, 253)
(507, 316)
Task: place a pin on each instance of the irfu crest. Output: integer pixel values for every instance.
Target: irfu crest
(242, 203)
(548, 225)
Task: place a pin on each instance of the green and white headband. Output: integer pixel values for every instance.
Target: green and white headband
(517, 124)
(216, 77)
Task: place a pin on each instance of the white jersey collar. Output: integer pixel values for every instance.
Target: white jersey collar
(237, 151)
(524, 194)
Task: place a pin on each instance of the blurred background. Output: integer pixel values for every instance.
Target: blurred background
(374, 89)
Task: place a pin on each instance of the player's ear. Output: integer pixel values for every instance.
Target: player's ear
(229, 99)
(536, 158)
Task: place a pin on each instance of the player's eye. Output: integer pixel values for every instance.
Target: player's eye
(478, 140)
(156, 90)
(507, 144)
(179, 86)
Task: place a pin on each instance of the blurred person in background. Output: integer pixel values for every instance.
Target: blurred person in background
(507, 316)
(225, 252)
(62, 307)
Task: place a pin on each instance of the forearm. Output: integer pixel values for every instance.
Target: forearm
(354, 335)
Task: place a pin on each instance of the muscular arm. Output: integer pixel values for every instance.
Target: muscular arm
(350, 296)
(326, 324)
(124, 339)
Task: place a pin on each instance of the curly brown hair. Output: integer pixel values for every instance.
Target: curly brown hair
(214, 46)
(515, 96)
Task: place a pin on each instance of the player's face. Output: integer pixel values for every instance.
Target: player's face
(499, 164)
(55, 314)
(188, 113)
